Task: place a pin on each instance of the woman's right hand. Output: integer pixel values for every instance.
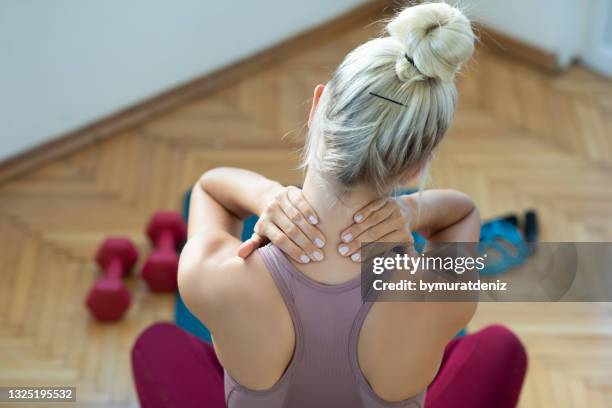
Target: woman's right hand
(289, 222)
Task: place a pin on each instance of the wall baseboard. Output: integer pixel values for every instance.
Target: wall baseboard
(139, 113)
(504, 44)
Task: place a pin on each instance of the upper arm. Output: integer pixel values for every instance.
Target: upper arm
(203, 255)
(212, 243)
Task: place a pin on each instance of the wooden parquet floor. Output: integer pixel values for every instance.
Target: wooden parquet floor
(522, 139)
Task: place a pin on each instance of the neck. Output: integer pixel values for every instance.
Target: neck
(334, 209)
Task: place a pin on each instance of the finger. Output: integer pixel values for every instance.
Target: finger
(379, 231)
(384, 230)
(295, 234)
(312, 233)
(363, 213)
(352, 250)
(282, 241)
(299, 201)
(357, 229)
(401, 236)
(247, 247)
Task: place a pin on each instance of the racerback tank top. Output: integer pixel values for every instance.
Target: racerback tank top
(324, 371)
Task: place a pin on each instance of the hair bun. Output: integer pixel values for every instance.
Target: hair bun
(438, 38)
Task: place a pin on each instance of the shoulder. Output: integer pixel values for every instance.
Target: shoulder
(219, 287)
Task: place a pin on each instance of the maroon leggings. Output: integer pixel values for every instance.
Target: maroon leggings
(173, 368)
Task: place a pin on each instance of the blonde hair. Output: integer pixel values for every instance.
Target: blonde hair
(391, 100)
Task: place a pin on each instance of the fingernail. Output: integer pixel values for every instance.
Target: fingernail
(304, 259)
(343, 249)
(317, 255)
(319, 243)
(347, 237)
(358, 218)
(356, 257)
(313, 220)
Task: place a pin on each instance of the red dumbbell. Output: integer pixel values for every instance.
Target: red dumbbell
(167, 232)
(108, 299)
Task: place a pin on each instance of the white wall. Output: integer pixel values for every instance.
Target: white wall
(66, 63)
(558, 26)
(597, 50)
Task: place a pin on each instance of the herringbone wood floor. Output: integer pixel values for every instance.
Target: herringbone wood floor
(521, 139)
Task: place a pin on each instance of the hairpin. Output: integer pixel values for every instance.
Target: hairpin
(386, 99)
(411, 61)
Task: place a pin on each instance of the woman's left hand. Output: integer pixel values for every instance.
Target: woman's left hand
(382, 220)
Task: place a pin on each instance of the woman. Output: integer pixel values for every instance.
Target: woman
(289, 326)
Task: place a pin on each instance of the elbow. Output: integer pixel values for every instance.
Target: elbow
(205, 179)
(210, 176)
(471, 209)
(467, 208)
(474, 213)
(207, 176)
(462, 200)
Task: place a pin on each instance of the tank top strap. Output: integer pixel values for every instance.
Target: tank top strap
(281, 271)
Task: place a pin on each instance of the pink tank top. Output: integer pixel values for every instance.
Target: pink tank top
(323, 372)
